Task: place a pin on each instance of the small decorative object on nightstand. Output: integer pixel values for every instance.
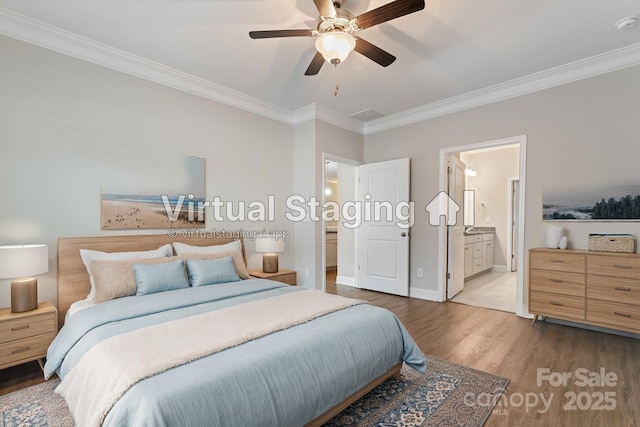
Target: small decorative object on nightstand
(285, 276)
(22, 261)
(269, 245)
(26, 336)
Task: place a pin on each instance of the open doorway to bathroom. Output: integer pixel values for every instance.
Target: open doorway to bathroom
(491, 244)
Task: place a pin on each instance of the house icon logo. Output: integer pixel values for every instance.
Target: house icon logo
(443, 205)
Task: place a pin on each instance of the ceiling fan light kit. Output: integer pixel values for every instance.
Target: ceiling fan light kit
(335, 46)
(335, 32)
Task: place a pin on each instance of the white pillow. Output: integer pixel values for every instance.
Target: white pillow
(88, 255)
(182, 249)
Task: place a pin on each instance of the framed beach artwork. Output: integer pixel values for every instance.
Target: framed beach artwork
(153, 195)
(620, 203)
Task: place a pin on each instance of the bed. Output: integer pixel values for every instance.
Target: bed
(303, 372)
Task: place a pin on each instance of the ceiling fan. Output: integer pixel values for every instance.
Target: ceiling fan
(335, 30)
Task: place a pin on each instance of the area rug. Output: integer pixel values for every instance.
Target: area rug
(448, 395)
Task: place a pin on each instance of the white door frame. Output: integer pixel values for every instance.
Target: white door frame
(521, 309)
(338, 159)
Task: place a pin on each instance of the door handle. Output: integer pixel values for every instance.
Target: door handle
(403, 234)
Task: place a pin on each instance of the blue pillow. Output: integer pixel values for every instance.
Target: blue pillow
(211, 271)
(152, 278)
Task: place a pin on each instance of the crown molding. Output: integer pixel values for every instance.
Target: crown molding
(50, 37)
(607, 62)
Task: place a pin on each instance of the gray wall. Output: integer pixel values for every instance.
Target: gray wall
(579, 135)
(311, 140)
(65, 123)
(67, 127)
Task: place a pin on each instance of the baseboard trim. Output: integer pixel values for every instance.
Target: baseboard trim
(425, 294)
(500, 268)
(344, 280)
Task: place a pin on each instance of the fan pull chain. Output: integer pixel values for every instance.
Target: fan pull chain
(335, 72)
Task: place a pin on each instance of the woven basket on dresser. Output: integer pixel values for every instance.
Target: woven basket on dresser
(624, 243)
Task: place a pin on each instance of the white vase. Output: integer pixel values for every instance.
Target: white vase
(554, 234)
(563, 242)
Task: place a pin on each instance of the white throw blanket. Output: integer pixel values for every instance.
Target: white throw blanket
(114, 365)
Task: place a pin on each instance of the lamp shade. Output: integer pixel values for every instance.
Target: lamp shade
(335, 46)
(23, 260)
(269, 245)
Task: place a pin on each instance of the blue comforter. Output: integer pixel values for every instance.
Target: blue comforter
(283, 379)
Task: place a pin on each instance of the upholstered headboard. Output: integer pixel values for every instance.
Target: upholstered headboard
(73, 279)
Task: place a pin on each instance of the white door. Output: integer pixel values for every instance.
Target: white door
(515, 218)
(383, 245)
(455, 242)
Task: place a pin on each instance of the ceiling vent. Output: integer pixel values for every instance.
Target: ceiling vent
(367, 115)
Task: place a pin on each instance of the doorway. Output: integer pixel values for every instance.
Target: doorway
(339, 243)
(372, 234)
(493, 277)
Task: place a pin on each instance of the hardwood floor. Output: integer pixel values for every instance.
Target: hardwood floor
(505, 345)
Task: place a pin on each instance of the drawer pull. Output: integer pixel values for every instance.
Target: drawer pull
(19, 328)
(555, 303)
(556, 260)
(624, 267)
(20, 350)
(621, 314)
(556, 280)
(620, 288)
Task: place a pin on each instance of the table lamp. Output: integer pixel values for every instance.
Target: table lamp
(21, 261)
(269, 246)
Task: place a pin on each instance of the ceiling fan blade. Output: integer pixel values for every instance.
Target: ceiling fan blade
(326, 8)
(373, 52)
(388, 12)
(316, 63)
(279, 33)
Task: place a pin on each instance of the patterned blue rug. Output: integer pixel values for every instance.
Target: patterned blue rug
(445, 396)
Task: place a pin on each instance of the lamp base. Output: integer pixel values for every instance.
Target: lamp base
(270, 263)
(24, 295)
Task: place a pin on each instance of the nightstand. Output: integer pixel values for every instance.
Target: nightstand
(284, 276)
(26, 336)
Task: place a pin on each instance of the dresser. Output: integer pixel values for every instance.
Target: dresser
(595, 288)
(26, 336)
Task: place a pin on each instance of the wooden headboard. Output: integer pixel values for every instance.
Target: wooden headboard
(73, 279)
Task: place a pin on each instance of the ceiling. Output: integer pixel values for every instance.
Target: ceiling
(450, 48)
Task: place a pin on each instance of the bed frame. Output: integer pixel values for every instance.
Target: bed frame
(73, 284)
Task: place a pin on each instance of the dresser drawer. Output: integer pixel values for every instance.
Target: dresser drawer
(613, 289)
(558, 261)
(27, 326)
(555, 305)
(31, 348)
(615, 314)
(557, 282)
(617, 266)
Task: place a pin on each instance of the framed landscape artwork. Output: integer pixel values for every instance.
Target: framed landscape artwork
(169, 196)
(597, 204)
